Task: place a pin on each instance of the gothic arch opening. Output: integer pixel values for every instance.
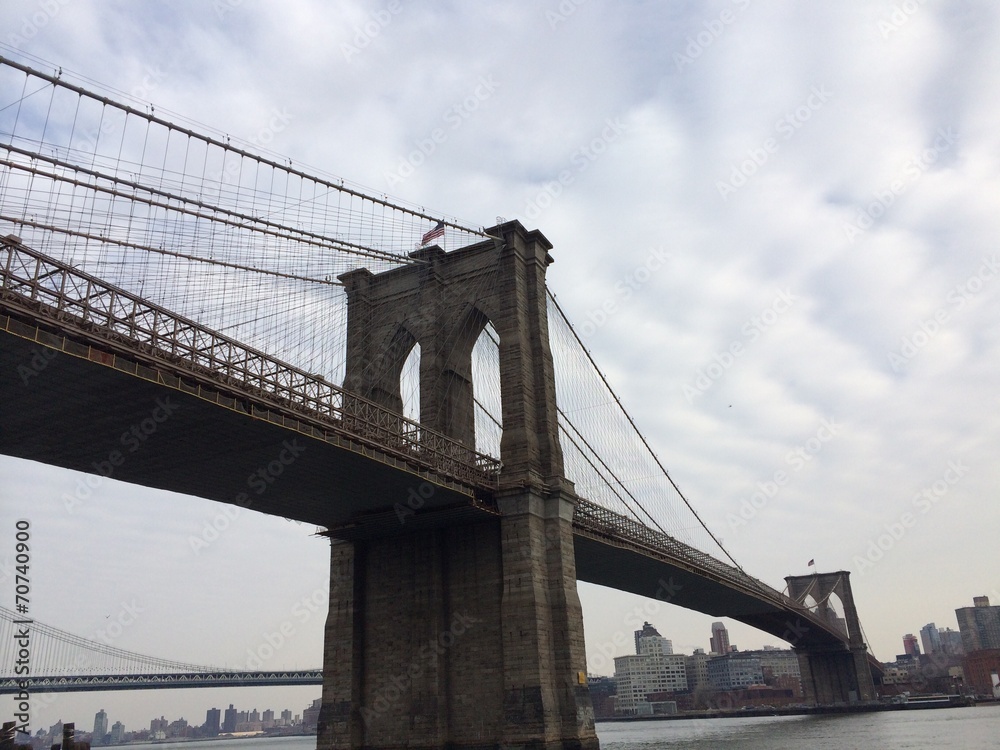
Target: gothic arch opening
(409, 384)
(384, 373)
(486, 391)
(833, 610)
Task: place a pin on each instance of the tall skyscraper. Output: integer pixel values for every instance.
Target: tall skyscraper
(979, 625)
(910, 645)
(930, 639)
(212, 722)
(117, 733)
(229, 719)
(720, 639)
(100, 727)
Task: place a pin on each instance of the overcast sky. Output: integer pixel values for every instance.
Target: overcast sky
(790, 210)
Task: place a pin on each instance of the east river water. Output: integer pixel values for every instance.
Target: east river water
(961, 728)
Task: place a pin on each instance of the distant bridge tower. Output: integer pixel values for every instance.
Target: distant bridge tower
(461, 634)
(835, 676)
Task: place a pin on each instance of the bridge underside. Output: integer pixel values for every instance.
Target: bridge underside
(74, 413)
(618, 567)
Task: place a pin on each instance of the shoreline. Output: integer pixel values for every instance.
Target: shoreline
(222, 738)
(818, 710)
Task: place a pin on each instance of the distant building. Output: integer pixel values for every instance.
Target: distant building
(229, 720)
(981, 672)
(286, 717)
(951, 642)
(979, 625)
(735, 670)
(720, 639)
(212, 722)
(117, 733)
(602, 696)
(654, 668)
(100, 727)
(697, 669)
(648, 631)
(777, 664)
(910, 645)
(158, 725)
(178, 728)
(930, 639)
(310, 716)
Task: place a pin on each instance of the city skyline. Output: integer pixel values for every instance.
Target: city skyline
(785, 263)
(649, 630)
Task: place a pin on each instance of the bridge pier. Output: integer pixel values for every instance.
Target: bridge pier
(460, 637)
(841, 676)
(460, 634)
(835, 677)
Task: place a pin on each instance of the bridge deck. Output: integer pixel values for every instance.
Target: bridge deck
(150, 429)
(95, 683)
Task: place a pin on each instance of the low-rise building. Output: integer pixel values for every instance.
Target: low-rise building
(735, 670)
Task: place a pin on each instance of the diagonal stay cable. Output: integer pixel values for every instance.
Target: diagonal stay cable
(609, 470)
(594, 453)
(649, 448)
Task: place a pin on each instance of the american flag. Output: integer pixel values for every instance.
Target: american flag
(437, 231)
(812, 562)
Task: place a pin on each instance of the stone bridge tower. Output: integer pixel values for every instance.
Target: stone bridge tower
(461, 635)
(836, 676)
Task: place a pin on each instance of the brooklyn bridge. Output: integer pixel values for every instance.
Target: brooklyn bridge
(402, 379)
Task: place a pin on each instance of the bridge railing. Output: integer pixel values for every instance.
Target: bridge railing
(68, 297)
